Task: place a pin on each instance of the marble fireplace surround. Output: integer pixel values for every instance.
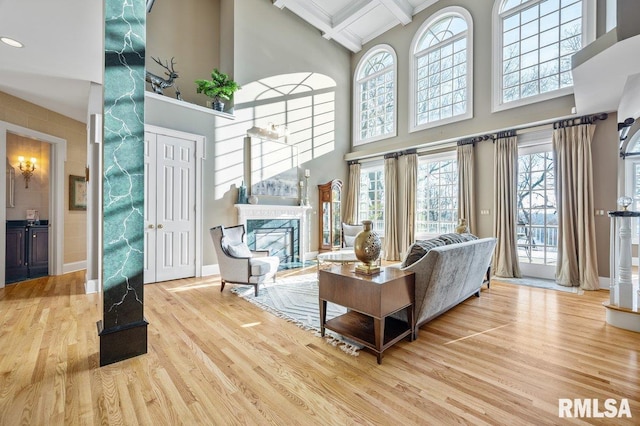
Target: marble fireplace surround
(264, 211)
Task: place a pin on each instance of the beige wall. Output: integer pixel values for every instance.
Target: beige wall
(269, 49)
(16, 111)
(604, 146)
(188, 31)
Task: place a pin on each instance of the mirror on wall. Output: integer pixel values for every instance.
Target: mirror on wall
(10, 180)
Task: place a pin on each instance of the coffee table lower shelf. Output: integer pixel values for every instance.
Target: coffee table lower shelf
(360, 328)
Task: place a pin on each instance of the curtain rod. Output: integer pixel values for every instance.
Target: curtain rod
(446, 143)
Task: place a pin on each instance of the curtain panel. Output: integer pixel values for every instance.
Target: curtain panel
(391, 251)
(351, 200)
(408, 206)
(505, 259)
(577, 258)
(466, 185)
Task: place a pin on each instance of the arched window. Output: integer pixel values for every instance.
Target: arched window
(534, 42)
(441, 73)
(375, 95)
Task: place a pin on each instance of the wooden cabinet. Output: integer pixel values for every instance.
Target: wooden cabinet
(27, 252)
(330, 219)
(15, 262)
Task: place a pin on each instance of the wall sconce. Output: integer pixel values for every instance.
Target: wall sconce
(27, 167)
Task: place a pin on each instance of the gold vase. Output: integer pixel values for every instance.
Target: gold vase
(367, 247)
(462, 227)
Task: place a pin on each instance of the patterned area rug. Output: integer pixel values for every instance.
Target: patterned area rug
(295, 299)
(539, 283)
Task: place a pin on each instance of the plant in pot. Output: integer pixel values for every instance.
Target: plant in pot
(220, 87)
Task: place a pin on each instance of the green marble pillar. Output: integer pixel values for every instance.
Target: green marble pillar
(123, 329)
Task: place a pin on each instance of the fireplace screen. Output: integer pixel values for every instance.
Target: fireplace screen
(278, 241)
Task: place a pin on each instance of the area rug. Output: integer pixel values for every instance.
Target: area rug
(295, 299)
(539, 283)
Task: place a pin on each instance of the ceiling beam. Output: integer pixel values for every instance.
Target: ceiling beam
(318, 18)
(401, 9)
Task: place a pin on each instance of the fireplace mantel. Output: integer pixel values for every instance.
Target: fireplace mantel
(265, 211)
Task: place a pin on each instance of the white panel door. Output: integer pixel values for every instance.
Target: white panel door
(170, 205)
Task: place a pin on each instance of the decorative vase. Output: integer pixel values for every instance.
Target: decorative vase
(242, 194)
(462, 227)
(367, 247)
(253, 199)
(218, 105)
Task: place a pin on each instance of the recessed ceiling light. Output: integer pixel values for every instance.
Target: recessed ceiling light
(11, 42)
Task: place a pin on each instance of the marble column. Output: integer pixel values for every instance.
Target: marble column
(123, 329)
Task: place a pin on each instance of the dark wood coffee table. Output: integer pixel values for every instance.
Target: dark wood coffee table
(370, 300)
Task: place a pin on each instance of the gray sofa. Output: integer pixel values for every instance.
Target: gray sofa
(447, 275)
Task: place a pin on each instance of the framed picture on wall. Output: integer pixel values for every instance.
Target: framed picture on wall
(77, 193)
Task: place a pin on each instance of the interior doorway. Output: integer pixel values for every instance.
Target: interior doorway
(57, 158)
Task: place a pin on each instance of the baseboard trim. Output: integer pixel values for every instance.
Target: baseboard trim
(210, 270)
(605, 283)
(91, 286)
(74, 266)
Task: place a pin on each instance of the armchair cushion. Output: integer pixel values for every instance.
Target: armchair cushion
(349, 233)
(237, 250)
(263, 265)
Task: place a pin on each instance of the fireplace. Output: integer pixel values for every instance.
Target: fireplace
(284, 230)
(278, 241)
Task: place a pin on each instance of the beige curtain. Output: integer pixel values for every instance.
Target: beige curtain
(505, 259)
(466, 186)
(350, 214)
(408, 206)
(577, 260)
(391, 251)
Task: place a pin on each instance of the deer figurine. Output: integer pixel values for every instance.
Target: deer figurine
(158, 84)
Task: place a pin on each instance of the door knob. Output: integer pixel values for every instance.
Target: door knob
(160, 226)
(150, 226)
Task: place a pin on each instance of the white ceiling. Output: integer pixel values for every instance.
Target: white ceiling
(354, 23)
(62, 52)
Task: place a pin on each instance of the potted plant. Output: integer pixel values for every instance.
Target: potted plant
(220, 87)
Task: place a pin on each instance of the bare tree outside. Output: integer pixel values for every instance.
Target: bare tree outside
(537, 230)
(437, 198)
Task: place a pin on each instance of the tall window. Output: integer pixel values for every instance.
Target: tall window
(441, 73)
(372, 195)
(437, 197)
(536, 42)
(375, 96)
(537, 229)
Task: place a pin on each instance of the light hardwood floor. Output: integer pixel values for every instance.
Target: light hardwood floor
(504, 358)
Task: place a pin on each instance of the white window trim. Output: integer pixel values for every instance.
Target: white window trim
(588, 35)
(357, 140)
(452, 10)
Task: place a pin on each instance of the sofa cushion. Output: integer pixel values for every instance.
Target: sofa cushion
(419, 249)
(454, 238)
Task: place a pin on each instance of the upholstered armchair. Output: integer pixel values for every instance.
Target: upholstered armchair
(349, 233)
(238, 264)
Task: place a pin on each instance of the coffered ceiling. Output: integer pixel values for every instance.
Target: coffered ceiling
(354, 23)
